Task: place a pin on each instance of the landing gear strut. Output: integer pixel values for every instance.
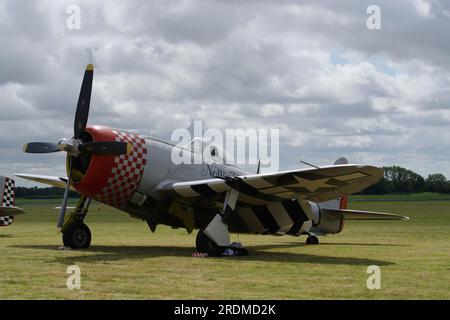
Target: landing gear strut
(76, 234)
(215, 238)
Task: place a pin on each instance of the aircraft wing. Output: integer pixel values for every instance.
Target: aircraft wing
(363, 215)
(49, 180)
(317, 184)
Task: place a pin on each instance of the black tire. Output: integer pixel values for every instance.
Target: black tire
(77, 236)
(312, 240)
(205, 245)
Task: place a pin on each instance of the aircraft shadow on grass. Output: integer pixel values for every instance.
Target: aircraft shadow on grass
(257, 253)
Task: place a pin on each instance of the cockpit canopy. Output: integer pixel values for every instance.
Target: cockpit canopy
(208, 148)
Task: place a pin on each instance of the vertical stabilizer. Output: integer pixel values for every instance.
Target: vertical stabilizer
(7, 198)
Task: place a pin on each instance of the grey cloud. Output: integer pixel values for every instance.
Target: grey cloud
(311, 69)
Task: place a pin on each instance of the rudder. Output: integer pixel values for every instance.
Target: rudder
(7, 208)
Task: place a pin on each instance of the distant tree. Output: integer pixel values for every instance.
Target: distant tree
(35, 192)
(437, 182)
(403, 180)
(397, 180)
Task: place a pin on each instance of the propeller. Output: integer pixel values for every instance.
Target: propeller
(76, 147)
(40, 147)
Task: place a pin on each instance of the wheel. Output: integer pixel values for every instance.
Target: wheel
(205, 245)
(312, 240)
(77, 236)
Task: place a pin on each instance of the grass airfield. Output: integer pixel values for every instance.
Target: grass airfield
(127, 261)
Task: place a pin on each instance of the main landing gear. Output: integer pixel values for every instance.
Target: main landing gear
(205, 245)
(215, 238)
(76, 234)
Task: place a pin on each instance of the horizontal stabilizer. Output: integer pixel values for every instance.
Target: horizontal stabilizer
(59, 182)
(10, 211)
(362, 215)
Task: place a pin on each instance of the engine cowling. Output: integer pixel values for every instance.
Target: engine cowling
(110, 179)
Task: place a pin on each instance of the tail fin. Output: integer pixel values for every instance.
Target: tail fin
(8, 190)
(7, 198)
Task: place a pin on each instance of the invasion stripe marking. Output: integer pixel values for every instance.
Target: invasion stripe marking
(281, 216)
(187, 192)
(297, 215)
(204, 190)
(250, 219)
(263, 214)
(249, 190)
(237, 224)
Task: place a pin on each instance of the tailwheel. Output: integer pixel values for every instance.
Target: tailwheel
(77, 236)
(312, 240)
(205, 245)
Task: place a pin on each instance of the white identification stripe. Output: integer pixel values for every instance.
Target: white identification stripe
(307, 209)
(250, 219)
(305, 227)
(281, 216)
(187, 191)
(231, 199)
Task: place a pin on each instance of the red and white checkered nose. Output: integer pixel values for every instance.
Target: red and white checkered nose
(113, 179)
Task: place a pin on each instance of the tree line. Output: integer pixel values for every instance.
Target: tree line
(400, 180)
(50, 192)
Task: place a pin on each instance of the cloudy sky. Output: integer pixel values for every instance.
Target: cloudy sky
(314, 70)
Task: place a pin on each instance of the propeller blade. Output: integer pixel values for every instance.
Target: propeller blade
(40, 147)
(62, 211)
(84, 100)
(106, 148)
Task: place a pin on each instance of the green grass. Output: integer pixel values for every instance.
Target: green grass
(423, 196)
(126, 261)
